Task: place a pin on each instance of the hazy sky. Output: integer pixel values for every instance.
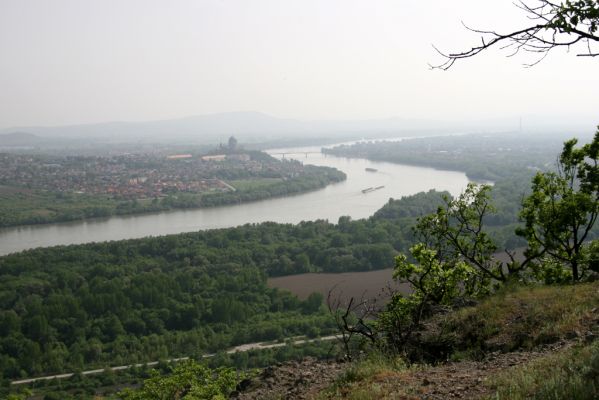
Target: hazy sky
(80, 61)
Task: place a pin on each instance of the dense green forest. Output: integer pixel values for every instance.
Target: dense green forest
(71, 307)
(105, 385)
(481, 157)
(96, 310)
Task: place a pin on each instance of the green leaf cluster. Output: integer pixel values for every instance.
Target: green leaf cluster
(189, 380)
(576, 16)
(432, 278)
(563, 207)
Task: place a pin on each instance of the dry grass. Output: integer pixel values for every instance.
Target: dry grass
(572, 374)
(516, 318)
(367, 379)
(524, 317)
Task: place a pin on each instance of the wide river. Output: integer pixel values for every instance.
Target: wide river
(332, 202)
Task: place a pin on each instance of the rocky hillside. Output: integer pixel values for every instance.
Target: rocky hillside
(520, 343)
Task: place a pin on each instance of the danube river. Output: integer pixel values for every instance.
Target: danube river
(332, 202)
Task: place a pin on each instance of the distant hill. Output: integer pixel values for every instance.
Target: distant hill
(247, 126)
(255, 127)
(15, 139)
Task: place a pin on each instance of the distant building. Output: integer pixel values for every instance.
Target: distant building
(217, 157)
(178, 156)
(232, 143)
(137, 181)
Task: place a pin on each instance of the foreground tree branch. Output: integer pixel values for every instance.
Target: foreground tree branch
(554, 25)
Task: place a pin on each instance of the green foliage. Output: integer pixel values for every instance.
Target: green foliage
(313, 303)
(456, 256)
(15, 396)
(550, 271)
(486, 158)
(592, 256)
(188, 380)
(119, 303)
(433, 279)
(412, 206)
(457, 233)
(576, 17)
(86, 306)
(312, 178)
(454, 259)
(88, 387)
(563, 207)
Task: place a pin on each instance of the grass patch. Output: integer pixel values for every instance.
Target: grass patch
(524, 317)
(365, 378)
(572, 374)
(253, 184)
(515, 318)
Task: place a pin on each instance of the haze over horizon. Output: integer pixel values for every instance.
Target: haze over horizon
(255, 127)
(69, 62)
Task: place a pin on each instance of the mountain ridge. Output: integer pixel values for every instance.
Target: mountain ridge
(253, 126)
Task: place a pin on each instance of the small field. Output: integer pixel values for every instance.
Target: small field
(253, 184)
(346, 285)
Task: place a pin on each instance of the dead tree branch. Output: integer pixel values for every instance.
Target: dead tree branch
(555, 26)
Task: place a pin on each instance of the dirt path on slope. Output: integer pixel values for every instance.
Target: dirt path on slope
(458, 380)
(292, 380)
(453, 380)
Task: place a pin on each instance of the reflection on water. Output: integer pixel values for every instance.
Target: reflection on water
(344, 198)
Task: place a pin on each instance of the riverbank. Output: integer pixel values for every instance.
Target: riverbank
(328, 203)
(23, 206)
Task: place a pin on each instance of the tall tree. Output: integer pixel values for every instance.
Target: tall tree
(456, 233)
(564, 205)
